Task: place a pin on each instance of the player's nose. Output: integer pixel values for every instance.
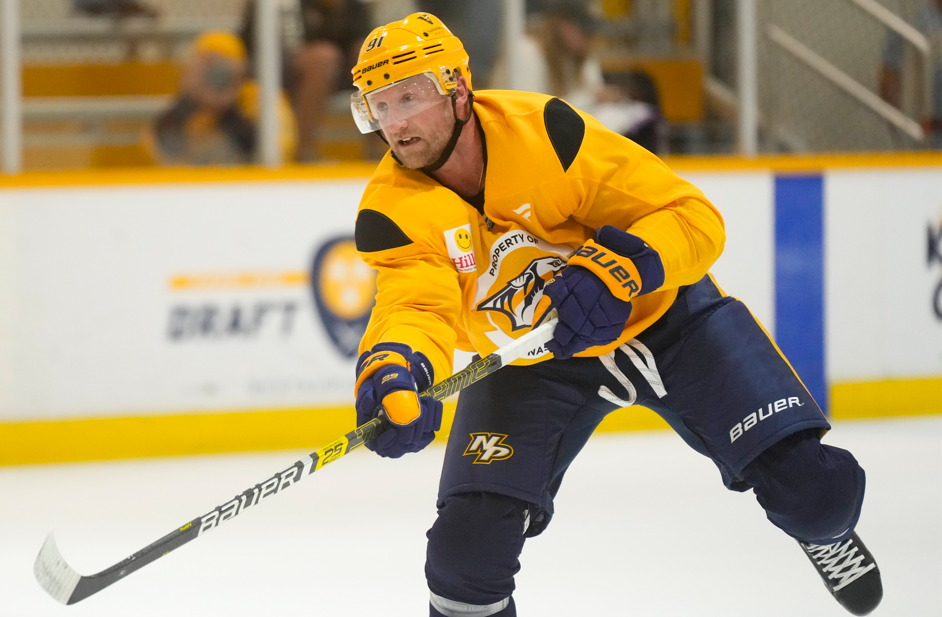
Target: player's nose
(397, 130)
(395, 126)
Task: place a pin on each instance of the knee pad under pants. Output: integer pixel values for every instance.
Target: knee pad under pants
(472, 556)
(811, 491)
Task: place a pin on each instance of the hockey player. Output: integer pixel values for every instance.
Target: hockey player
(494, 207)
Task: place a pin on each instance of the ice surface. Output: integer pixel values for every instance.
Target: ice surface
(643, 527)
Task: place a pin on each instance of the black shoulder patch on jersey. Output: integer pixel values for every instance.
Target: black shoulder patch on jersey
(377, 232)
(566, 130)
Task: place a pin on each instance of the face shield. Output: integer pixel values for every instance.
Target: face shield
(395, 103)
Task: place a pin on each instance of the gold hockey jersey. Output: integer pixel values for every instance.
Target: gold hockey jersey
(452, 276)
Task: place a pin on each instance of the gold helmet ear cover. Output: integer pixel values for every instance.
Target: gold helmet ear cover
(418, 44)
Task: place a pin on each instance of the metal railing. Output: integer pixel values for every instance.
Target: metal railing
(817, 56)
(916, 38)
(845, 82)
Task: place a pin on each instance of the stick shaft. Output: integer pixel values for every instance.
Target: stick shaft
(54, 574)
(88, 585)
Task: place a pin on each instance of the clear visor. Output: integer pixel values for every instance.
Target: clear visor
(396, 103)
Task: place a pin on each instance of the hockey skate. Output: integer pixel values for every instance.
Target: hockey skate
(849, 572)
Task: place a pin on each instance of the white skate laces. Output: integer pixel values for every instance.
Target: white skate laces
(842, 562)
(849, 572)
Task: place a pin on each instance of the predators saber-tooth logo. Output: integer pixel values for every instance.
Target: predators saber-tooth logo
(518, 298)
(488, 447)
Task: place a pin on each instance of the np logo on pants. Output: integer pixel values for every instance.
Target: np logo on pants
(488, 447)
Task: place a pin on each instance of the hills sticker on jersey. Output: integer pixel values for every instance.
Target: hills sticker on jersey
(461, 248)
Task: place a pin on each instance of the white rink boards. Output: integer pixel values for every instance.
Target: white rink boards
(148, 299)
(350, 540)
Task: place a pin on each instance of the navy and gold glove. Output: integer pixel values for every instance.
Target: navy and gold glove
(593, 294)
(389, 379)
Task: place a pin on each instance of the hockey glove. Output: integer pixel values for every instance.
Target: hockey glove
(389, 379)
(593, 293)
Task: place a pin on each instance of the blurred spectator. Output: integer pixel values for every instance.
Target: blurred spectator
(113, 8)
(560, 60)
(630, 106)
(479, 26)
(318, 65)
(213, 121)
(900, 74)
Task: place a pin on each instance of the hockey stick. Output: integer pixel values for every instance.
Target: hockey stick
(68, 586)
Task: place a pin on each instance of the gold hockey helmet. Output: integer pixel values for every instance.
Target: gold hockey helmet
(419, 50)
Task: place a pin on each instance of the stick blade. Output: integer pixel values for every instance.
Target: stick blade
(52, 572)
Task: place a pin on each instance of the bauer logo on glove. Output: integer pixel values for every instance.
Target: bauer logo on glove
(593, 293)
(619, 273)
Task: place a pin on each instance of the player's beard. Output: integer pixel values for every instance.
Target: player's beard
(434, 139)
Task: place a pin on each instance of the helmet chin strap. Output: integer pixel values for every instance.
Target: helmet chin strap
(455, 134)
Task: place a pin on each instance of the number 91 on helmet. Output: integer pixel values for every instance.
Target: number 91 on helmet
(405, 68)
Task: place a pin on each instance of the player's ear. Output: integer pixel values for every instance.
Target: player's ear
(462, 96)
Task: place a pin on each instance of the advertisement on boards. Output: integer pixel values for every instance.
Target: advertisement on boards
(159, 299)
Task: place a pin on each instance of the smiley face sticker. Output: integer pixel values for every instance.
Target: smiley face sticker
(461, 248)
(463, 239)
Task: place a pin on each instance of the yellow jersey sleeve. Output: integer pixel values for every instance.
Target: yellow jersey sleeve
(416, 305)
(419, 297)
(624, 185)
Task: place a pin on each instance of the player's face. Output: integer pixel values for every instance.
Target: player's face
(415, 120)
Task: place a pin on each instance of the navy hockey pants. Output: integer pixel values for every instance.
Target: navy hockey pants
(707, 367)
